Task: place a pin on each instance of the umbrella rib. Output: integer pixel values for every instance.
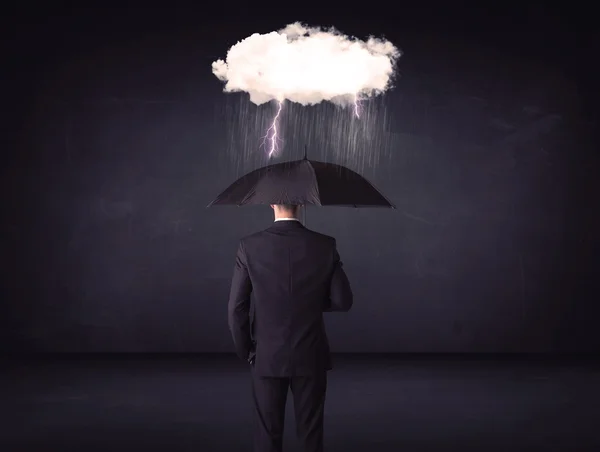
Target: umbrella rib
(312, 168)
(250, 193)
(392, 205)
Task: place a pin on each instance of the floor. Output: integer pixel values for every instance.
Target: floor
(386, 403)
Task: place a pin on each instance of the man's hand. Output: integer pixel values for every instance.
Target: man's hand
(340, 297)
(239, 305)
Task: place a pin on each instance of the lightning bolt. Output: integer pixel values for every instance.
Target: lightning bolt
(271, 139)
(272, 136)
(357, 106)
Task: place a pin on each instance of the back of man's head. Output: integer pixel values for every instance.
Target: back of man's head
(285, 210)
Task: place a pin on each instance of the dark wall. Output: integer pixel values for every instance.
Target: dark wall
(487, 153)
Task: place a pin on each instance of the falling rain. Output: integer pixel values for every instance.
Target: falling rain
(329, 132)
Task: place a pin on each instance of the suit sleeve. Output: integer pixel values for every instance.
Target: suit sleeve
(239, 305)
(340, 292)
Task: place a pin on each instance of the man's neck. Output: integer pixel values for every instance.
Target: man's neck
(286, 218)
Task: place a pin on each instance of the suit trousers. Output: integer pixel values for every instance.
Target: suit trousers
(270, 395)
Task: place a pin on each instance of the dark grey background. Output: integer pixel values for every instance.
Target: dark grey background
(122, 136)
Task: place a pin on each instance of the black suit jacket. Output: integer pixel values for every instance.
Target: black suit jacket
(293, 275)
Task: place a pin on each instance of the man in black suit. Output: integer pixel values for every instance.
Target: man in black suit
(293, 275)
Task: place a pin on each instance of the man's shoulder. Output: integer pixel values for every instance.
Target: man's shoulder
(254, 237)
(321, 236)
(250, 237)
(314, 235)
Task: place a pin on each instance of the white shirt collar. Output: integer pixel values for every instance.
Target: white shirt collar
(287, 219)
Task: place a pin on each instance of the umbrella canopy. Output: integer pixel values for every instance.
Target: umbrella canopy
(303, 182)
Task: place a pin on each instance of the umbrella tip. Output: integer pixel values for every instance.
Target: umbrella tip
(305, 152)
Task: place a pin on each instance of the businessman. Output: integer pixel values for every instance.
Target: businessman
(293, 276)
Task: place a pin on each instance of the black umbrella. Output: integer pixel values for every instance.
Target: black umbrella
(303, 182)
